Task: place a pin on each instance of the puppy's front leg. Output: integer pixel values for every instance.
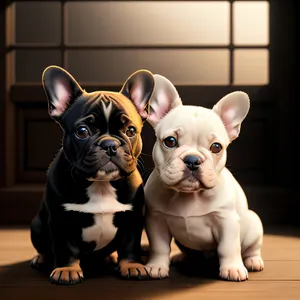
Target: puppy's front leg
(229, 250)
(67, 268)
(159, 241)
(129, 248)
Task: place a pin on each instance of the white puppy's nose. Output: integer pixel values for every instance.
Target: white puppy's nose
(192, 162)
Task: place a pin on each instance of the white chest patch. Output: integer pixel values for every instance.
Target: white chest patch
(103, 204)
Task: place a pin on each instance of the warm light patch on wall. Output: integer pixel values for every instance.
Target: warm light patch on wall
(251, 23)
(148, 23)
(251, 67)
(181, 66)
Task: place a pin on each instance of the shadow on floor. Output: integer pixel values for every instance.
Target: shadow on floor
(20, 281)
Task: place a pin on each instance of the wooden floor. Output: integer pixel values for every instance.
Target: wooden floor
(279, 280)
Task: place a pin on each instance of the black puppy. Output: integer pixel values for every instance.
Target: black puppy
(94, 195)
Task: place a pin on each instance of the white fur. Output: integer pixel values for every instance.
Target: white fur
(107, 109)
(103, 204)
(210, 216)
(102, 232)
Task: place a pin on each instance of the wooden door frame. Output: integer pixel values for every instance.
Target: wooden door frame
(17, 202)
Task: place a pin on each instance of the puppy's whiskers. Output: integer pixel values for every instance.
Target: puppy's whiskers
(140, 164)
(149, 155)
(163, 167)
(72, 166)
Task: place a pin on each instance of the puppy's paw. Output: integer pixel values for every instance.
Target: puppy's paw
(234, 272)
(254, 263)
(38, 262)
(157, 271)
(67, 275)
(132, 270)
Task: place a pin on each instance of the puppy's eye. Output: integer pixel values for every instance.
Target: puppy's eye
(82, 132)
(215, 147)
(130, 131)
(170, 142)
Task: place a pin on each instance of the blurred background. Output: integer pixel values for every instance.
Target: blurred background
(206, 48)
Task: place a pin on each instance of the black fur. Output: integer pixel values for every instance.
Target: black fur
(57, 233)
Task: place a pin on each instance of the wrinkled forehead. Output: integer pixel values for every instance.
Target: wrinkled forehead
(192, 124)
(109, 104)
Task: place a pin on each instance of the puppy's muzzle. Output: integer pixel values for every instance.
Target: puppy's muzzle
(110, 146)
(193, 162)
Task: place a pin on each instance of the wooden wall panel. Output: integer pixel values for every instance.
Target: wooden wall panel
(245, 156)
(38, 138)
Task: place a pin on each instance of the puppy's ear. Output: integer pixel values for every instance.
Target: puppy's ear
(164, 98)
(139, 88)
(61, 90)
(233, 109)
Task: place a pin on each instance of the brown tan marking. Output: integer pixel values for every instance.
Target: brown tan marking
(132, 269)
(67, 275)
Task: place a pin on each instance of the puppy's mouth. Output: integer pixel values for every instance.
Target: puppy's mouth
(108, 172)
(180, 178)
(194, 183)
(189, 184)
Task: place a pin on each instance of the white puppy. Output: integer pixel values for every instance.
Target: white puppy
(191, 195)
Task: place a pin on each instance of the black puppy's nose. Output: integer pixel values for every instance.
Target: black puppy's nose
(109, 146)
(192, 162)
